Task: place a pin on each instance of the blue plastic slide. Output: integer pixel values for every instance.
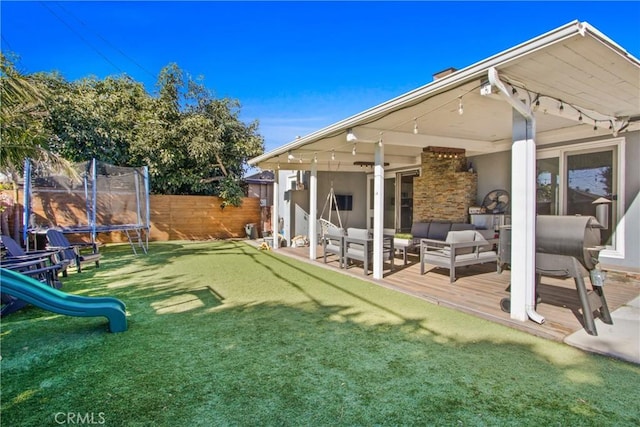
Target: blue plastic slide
(32, 291)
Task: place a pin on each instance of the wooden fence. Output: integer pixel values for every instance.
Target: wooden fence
(172, 217)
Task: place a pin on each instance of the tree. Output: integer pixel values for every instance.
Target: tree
(94, 118)
(193, 142)
(22, 111)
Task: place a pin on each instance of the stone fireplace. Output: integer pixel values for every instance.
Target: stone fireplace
(446, 189)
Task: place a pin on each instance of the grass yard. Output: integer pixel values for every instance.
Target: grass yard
(221, 333)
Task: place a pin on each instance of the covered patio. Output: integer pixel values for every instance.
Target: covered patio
(570, 84)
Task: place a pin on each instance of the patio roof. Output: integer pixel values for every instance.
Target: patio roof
(580, 83)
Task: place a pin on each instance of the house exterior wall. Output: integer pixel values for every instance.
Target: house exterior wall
(631, 261)
(262, 192)
(494, 172)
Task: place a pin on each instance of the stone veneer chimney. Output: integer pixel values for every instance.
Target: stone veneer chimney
(446, 189)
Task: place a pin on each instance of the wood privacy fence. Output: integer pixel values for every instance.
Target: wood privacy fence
(172, 217)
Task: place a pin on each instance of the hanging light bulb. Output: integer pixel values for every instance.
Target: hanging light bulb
(353, 152)
(610, 125)
(561, 107)
(514, 91)
(290, 157)
(460, 107)
(579, 115)
(595, 125)
(315, 157)
(351, 137)
(537, 103)
(415, 126)
(380, 140)
(278, 165)
(333, 154)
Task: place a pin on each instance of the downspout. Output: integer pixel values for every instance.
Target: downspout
(525, 111)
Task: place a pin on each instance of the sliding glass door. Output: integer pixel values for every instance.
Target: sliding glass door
(572, 178)
(398, 200)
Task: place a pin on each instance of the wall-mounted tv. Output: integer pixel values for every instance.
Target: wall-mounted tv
(344, 202)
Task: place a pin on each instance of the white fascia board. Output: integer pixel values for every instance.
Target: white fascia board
(477, 70)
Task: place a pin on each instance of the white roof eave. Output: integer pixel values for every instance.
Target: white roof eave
(458, 78)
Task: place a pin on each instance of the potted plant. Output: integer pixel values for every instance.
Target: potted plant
(402, 239)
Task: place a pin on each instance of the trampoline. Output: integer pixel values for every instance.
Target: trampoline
(101, 198)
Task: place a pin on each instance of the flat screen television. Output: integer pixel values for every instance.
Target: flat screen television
(344, 202)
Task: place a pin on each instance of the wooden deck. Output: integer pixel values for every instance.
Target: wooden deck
(479, 289)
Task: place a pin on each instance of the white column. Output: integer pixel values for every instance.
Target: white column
(313, 211)
(275, 209)
(378, 211)
(523, 217)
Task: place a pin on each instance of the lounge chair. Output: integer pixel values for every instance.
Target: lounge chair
(73, 251)
(15, 252)
(40, 269)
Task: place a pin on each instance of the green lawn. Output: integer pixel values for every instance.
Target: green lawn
(221, 333)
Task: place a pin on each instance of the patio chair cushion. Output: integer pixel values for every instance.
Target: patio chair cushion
(439, 230)
(462, 236)
(458, 226)
(360, 234)
(420, 230)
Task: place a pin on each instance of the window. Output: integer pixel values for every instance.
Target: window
(571, 178)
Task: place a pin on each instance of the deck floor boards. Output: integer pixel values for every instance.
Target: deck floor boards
(479, 289)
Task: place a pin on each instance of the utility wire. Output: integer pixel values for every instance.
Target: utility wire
(81, 37)
(111, 45)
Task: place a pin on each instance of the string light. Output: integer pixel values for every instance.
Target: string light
(595, 125)
(415, 125)
(333, 154)
(579, 115)
(315, 157)
(460, 107)
(561, 107)
(353, 152)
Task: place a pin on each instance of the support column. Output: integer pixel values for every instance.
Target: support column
(378, 211)
(523, 218)
(275, 208)
(313, 211)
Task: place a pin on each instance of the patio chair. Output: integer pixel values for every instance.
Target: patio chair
(73, 251)
(14, 251)
(41, 269)
(333, 243)
(461, 248)
(359, 246)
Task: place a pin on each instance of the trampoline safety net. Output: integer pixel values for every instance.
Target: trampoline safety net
(99, 198)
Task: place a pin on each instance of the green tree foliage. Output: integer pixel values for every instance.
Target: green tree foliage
(22, 114)
(192, 142)
(95, 118)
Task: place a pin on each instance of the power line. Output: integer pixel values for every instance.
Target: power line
(111, 45)
(96, 50)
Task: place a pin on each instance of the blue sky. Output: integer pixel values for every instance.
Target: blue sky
(295, 66)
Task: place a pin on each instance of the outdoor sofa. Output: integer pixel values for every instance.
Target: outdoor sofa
(460, 248)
